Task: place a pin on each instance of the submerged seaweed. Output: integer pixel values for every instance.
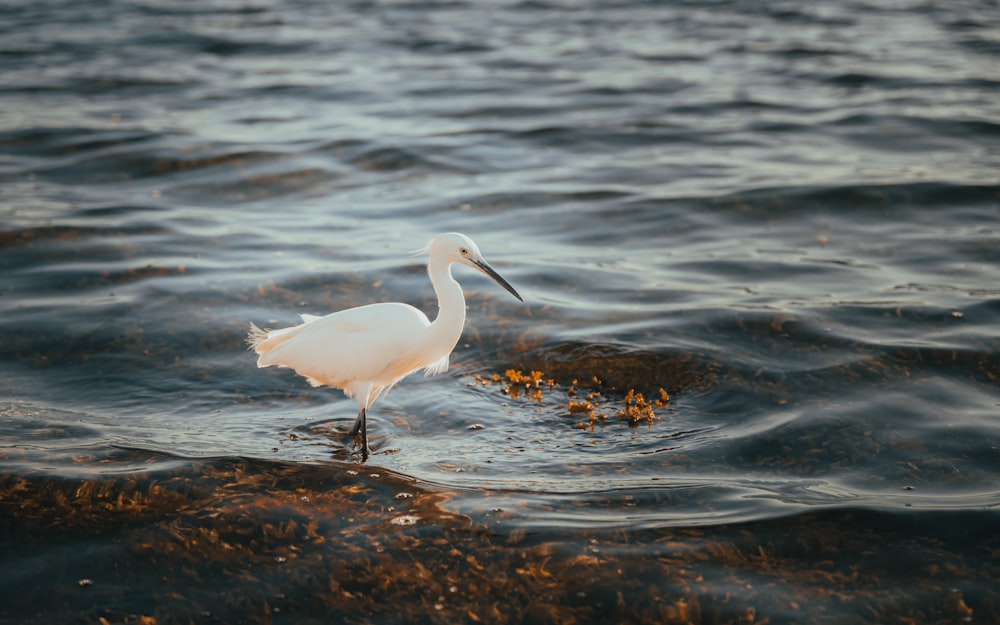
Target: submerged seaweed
(251, 542)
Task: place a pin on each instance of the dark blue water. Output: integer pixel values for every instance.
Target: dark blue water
(783, 215)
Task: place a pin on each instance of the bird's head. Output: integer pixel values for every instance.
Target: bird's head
(455, 247)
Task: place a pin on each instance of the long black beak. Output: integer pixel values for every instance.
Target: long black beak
(482, 266)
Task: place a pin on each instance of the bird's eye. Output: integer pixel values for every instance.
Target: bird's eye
(463, 251)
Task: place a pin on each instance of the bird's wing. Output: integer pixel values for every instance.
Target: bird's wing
(390, 318)
(373, 343)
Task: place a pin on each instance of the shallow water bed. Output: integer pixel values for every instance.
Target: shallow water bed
(228, 540)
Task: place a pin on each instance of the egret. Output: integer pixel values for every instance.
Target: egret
(365, 351)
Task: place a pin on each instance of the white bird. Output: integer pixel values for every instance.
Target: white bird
(366, 350)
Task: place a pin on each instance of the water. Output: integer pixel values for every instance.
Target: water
(784, 216)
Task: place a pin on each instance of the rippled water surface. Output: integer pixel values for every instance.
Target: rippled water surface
(758, 244)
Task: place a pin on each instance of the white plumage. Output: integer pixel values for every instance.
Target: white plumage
(366, 350)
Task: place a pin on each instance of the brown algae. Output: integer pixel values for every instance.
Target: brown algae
(595, 405)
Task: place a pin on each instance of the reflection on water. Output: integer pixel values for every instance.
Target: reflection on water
(758, 250)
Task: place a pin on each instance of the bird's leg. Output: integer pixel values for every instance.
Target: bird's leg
(361, 425)
(357, 423)
(365, 451)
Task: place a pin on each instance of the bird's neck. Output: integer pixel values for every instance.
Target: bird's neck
(447, 326)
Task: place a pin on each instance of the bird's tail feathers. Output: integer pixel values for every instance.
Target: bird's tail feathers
(255, 336)
(264, 342)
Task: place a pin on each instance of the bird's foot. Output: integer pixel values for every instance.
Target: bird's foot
(362, 444)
